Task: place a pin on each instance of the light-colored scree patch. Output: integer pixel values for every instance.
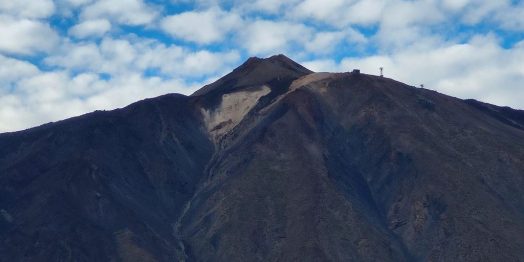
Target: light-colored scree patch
(312, 80)
(231, 111)
(314, 77)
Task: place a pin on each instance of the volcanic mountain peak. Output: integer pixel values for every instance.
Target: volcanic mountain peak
(228, 100)
(279, 64)
(276, 71)
(270, 163)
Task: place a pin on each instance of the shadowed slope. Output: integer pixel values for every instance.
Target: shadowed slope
(104, 186)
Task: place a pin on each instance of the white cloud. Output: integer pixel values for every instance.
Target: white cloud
(90, 28)
(134, 87)
(121, 56)
(365, 12)
(118, 54)
(203, 63)
(39, 97)
(265, 6)
(511, 17)
(478, 10)
(44, 87)
(84, 56)
(27, 8)
(25, 37)
(404, 24)
(128, 12)
(30, 96)
(263, 37)
(77, 3)
(12, 70)
(325, 11)
(111, 56)
(325, 43)
(100, 64)
(177, 61)
(455, 5)
(401, 14)
(401, 22)
(340, 13)
(69, 8)
(203, 27)
(323, 65)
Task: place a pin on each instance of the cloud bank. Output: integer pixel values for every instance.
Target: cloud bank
(61, 58)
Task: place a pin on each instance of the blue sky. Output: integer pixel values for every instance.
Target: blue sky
(61, 58)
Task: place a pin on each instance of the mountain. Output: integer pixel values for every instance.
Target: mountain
(272, 162)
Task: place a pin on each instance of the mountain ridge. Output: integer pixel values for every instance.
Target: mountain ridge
(271, 162)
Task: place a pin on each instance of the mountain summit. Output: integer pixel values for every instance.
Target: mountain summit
(272, 162)
(277, 71)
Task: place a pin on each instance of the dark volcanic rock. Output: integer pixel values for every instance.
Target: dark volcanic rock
(278, 71)
(270, 163)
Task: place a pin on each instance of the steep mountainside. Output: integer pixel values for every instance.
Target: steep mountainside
(270, 163)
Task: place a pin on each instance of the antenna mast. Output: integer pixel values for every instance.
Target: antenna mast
(381, 71)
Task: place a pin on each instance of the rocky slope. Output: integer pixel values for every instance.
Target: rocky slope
(270, 163)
